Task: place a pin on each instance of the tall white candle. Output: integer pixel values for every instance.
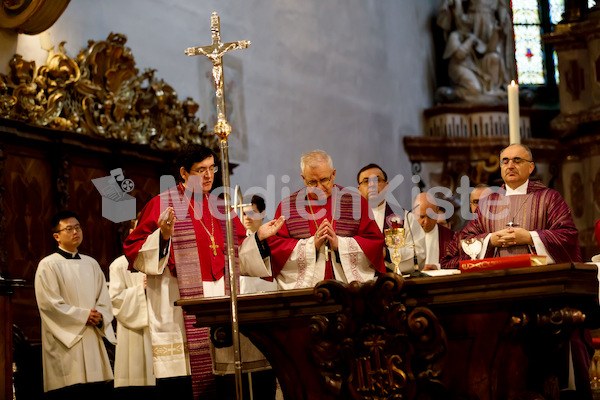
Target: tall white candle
(513, 113)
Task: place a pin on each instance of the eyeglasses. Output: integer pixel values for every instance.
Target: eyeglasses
(366, 181)
(70, 228)
(213, 169)
(515, 160)
(323, 182)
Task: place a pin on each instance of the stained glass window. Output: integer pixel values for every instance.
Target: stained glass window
(529, 53)
(529, 18)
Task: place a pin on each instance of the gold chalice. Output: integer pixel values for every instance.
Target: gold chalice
(472, 246)
(394, 239)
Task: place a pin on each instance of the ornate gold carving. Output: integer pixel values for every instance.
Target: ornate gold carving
(100, 93)
(377, 347)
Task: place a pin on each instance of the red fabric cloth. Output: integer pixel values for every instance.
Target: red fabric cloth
(300, 224)
(598, 232)
(212, 267)
(190, 247)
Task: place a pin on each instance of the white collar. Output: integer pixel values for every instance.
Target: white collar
(67, 251)
(433, 232)
(379, 207)
(520, 190)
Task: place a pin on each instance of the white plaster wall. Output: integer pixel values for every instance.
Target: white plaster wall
(351, 77)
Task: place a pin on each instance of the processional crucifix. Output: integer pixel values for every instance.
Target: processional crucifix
(215, 53)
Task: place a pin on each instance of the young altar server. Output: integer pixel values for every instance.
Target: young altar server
(76, 314)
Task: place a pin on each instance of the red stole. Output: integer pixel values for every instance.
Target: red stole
(193, 262)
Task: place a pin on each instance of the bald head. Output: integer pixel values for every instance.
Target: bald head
(479, 192)
(516, 165)
(426, 211)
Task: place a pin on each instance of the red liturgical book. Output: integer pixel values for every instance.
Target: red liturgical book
(488, 264)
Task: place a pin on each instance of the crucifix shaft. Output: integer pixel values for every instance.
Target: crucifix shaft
(215, 53)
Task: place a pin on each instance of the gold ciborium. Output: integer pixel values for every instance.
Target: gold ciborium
(394, 239)
(472, 246)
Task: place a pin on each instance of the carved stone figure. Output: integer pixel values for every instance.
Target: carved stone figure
(479, 48)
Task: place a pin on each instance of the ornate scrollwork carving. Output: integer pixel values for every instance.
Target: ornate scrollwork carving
(551, 321)
(30, 16)
(377, 347)
(100, 93)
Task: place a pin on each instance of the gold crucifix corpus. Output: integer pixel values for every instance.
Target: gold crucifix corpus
(215, 53)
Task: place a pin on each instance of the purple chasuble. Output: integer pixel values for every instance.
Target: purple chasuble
(542, 210)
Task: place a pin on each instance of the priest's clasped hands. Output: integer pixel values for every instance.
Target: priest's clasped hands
(95, 318)
(511, 236)
(326, 233)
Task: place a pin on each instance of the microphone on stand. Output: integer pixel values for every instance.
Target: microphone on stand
(416, 273)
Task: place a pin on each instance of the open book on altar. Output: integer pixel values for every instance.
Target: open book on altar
(488, 264)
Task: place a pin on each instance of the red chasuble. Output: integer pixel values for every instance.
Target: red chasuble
(542, 210)
(193, 261)
(302, 224)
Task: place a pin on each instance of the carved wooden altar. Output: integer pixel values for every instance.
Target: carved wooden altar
(491, 335)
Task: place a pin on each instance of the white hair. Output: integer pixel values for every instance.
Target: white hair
(313, 158)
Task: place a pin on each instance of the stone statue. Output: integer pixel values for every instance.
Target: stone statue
(479, 48)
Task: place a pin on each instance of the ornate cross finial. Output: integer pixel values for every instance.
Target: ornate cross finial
(215, 53)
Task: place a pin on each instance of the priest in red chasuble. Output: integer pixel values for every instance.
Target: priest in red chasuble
(180, 243)
(328, 233)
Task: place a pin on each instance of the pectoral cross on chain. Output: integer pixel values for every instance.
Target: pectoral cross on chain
(215, 53)
(213, 246)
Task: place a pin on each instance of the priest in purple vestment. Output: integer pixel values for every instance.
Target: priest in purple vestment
(523, 217)
(527, 217)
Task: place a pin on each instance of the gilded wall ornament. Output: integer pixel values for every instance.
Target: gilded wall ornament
(101, 93)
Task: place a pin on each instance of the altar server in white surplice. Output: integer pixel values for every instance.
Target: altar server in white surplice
(76, 315)
(133, 354)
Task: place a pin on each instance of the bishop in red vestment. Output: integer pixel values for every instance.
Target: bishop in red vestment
(327, 233)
